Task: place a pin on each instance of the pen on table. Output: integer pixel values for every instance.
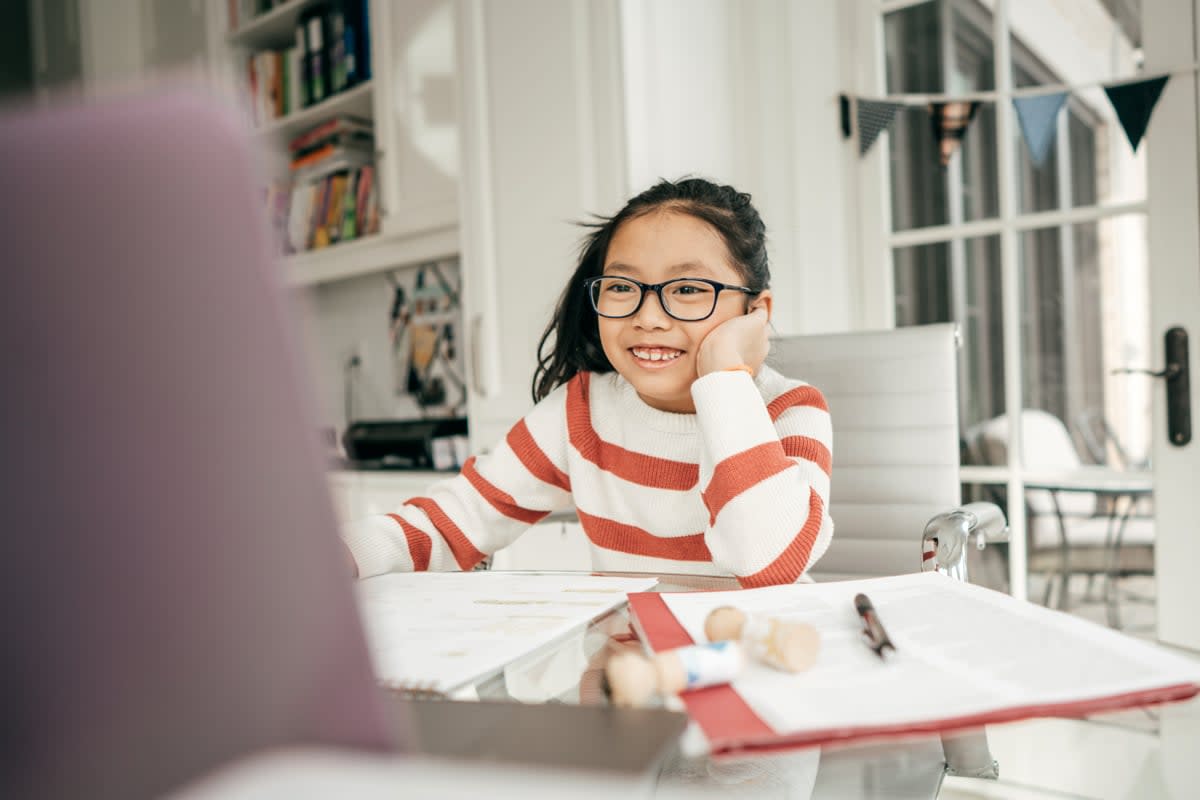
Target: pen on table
(874, 635)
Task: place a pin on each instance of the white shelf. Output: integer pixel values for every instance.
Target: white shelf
(275, 29)
(370, 254)
(356, 102)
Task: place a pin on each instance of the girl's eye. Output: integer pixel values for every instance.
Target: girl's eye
(690, 289)
(618, 287)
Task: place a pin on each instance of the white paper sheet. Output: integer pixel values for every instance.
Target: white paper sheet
(440, 631)
(960, 649)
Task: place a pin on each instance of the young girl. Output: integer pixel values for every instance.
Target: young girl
(655, 418)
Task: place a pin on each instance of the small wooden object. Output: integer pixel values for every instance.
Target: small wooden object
(789, 646)
(634, 679)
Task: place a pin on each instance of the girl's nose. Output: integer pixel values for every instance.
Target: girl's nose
(651, 314)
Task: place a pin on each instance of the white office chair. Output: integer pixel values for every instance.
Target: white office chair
(893, 398)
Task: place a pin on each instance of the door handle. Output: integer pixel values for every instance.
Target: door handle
(1179, 389)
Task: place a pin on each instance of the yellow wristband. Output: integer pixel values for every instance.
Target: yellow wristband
(742, 368)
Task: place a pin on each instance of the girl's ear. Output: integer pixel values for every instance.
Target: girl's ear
(763, 301)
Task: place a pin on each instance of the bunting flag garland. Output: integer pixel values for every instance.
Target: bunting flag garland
(1037, 110)
(1038, 116)
(873, 117)
(1134, 103)
(950, 121)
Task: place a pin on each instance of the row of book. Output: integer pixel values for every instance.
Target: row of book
(339, 207)
(331, 53)
(331, 193)
(341, 143)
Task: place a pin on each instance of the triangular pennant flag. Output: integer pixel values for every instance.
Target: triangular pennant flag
(1134, 102)
(1039, 119)
(950, 122)
(873, 117)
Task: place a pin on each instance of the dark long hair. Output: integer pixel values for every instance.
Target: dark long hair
(573, 335)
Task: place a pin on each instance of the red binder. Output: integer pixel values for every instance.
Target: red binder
(732, 726)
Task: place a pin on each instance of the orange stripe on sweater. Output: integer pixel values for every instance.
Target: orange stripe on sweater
(537, 462)
(810, 450)
(633, 540)
(740, 472)
(808, 396)
(657, 473)
(420, 546)
(791, 562)
(501, 501)
(464, 552)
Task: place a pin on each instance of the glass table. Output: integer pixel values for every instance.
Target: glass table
(570, 672)
(1135, 753)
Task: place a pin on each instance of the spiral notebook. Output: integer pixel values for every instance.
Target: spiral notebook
(434, 634)
(965, 656)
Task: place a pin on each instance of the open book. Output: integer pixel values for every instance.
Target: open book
(434, 633)
(965, 656)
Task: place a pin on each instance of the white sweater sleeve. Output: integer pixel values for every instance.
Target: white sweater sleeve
(764, 472)
(491, 502)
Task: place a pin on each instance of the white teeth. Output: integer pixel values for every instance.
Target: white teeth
(656, 354)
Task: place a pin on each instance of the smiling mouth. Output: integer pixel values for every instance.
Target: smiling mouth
(655, 356)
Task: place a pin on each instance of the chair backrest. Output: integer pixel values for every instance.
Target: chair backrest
(893, 397)
(1046, 445)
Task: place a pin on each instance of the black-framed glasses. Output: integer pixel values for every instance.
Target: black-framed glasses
(685, 299)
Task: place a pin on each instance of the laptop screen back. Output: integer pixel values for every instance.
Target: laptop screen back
(179, 597)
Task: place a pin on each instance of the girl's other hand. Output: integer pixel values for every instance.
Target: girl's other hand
(736, 341)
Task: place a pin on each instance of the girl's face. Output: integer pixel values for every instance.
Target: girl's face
(652, 350)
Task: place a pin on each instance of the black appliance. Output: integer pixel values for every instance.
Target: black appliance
(396, 443)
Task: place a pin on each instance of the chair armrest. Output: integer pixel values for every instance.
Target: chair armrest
(944, 548)
(944, 543)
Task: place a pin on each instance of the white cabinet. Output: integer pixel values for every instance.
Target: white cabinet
(416, 114)
(550, 545)
(363, 494)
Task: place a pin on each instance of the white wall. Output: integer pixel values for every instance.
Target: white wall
(746, 92)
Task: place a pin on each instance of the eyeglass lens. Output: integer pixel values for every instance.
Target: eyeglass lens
(683, 299)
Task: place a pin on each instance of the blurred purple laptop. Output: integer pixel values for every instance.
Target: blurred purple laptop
(177, 597)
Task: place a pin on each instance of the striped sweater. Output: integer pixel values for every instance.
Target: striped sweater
(739, 488)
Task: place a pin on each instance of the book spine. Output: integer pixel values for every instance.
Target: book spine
(364, 40)
(349, 214)
(366, 175)
(316, 56)
(350, 42)
(303, 91)
(337, 48)
(373, 209)
(333, 217)
(320, 234)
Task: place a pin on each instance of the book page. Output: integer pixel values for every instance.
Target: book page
(960, 649)
(442, 630)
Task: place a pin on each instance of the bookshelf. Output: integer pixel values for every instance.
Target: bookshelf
(368, 255)
(417, 203)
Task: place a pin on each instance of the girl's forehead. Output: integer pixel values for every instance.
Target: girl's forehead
(669, 243)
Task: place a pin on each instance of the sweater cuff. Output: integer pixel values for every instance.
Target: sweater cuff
(374, 543)
(731, 413)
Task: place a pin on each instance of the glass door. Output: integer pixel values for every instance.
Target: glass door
(1044, 259)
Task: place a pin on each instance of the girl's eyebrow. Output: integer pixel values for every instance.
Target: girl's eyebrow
(682, 268)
